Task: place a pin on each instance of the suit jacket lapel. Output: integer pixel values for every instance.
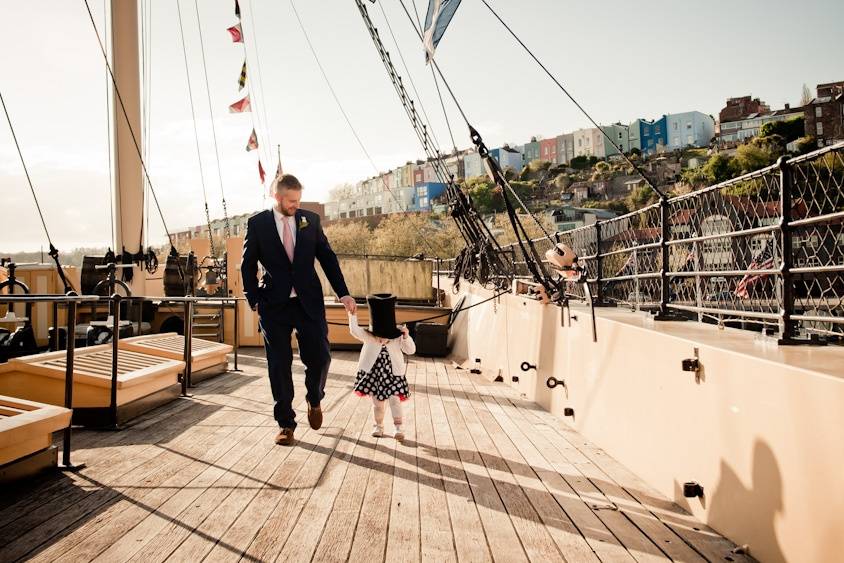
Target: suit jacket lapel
(297, 218)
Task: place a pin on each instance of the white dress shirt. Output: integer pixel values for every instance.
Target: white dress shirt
(282, 221)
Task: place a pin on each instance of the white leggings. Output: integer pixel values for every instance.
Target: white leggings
(379, 407)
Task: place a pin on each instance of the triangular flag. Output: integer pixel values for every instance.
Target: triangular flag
(237, 9)
(236, 33)
(439, 16)
(261, 172)
(241, 106)
(241, 82)
(252, 144)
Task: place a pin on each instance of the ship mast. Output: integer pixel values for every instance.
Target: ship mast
(128, 178)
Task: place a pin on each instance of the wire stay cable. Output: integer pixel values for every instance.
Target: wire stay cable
(346, 115)
(128, 124)
(195, 128)
(575, 102)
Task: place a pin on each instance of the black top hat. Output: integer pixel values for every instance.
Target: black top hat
(382, 315)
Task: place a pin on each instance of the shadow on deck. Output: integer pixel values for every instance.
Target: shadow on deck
(482, 474)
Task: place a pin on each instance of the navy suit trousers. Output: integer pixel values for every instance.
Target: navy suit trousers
(277, 322)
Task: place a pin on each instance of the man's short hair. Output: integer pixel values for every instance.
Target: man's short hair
(286, 182)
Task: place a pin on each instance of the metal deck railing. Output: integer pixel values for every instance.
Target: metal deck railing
(765, 249)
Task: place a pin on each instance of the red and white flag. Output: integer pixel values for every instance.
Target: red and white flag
(261, 172)
(241, 106)
(236, 33)
(252, 144)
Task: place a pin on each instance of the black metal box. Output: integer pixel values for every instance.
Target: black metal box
(431, 339)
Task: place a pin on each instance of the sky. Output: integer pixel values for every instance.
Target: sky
(621, 60)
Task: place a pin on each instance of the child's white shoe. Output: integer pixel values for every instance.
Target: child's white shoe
(377, 431)
(399, 435)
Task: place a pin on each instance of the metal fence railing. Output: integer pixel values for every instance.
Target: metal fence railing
(763, 249)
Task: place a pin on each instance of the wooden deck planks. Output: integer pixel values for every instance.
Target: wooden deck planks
(482, 475)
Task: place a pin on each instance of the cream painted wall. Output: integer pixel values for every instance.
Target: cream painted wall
(762, 429)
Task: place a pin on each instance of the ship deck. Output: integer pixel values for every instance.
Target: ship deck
(482, 475)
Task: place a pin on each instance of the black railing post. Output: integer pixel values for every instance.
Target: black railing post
(54, 339)
(665, 252)
(68, 381)
(115, 337)
(599, 266)
(236, 331)
(789, 326)
(186, 376)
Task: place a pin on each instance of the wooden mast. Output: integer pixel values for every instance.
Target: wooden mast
(129, 184)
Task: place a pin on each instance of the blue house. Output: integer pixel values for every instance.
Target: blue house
(648, 135)
(426, 192)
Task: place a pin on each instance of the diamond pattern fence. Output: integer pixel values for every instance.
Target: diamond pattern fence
(762, 250)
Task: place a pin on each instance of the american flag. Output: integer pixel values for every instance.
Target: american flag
(763, 261)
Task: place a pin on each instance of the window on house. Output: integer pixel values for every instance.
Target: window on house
(688, 125)
(423, 202)
(675, 125)
(818, 111)
(819, 127)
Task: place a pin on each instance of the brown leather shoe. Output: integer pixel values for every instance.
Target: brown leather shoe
(315, 417)
(284, 437)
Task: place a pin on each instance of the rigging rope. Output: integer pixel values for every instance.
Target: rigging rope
(129, 125)
(108, 132)
(535, 264)
(441, 315)
(407, 70)
(260, 82)
(54, 253)
(146, 38)
(195, 129)
(346, 117)
(570, 97)
(476, 234)
(226, 226)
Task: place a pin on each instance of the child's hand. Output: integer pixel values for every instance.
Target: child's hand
(404, 331)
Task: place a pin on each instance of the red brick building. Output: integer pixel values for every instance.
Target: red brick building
(739, 108)
(824, 116)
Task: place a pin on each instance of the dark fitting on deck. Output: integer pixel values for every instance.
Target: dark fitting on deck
(568, 411)
(552, 382)
(692, 489)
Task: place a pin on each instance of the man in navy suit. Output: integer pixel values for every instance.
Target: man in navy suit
(286, 241)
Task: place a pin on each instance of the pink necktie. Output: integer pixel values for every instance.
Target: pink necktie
(287, 238)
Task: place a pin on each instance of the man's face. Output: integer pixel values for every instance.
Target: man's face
(288, 201)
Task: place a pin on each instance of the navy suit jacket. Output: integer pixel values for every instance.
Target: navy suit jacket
(262, 244)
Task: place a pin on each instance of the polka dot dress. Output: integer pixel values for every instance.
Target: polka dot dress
(380, 382)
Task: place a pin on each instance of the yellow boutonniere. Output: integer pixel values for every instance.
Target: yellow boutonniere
(303, 222)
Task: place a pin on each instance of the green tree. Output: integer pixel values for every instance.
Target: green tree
(617, 205)
(641, 197)
(805, 95)
(485, 195)
(750, 157)
(790, 129)
(350, 237)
